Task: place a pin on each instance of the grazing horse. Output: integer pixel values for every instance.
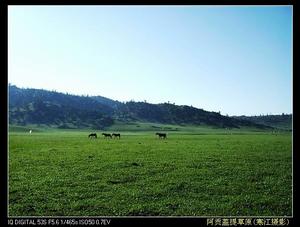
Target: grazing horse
(93, 135)
(161, 135)
(106, 135)
(115, 135)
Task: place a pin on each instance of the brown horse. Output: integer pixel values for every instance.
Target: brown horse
(161, 135)
(115, 135)
(107, 135)
(93, 135)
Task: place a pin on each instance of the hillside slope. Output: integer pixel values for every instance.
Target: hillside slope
(283, 121)
(38, 106)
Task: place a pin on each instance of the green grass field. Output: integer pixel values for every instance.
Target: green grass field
(204, 173)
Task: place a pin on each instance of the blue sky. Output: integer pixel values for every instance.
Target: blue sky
(233, 59)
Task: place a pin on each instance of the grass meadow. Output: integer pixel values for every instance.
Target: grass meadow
(212, 173)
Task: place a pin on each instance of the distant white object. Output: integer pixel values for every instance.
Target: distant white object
(30, 131)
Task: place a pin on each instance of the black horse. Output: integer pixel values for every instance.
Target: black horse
(93, 135)
(115, 135)
(161, 135)
(107, 135)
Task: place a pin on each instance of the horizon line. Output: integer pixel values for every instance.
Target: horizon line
(145, 101)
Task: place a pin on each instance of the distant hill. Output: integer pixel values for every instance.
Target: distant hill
(106, 101)
(282, 121)
(173, 114)
(38, 106)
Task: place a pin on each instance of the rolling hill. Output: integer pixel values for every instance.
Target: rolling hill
(282, 121)
(55, 109)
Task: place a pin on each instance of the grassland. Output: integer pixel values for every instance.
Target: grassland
(192, 173)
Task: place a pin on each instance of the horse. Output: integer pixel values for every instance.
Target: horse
(93, 135)
(106, 135)
(161, 135)
(115, 135)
